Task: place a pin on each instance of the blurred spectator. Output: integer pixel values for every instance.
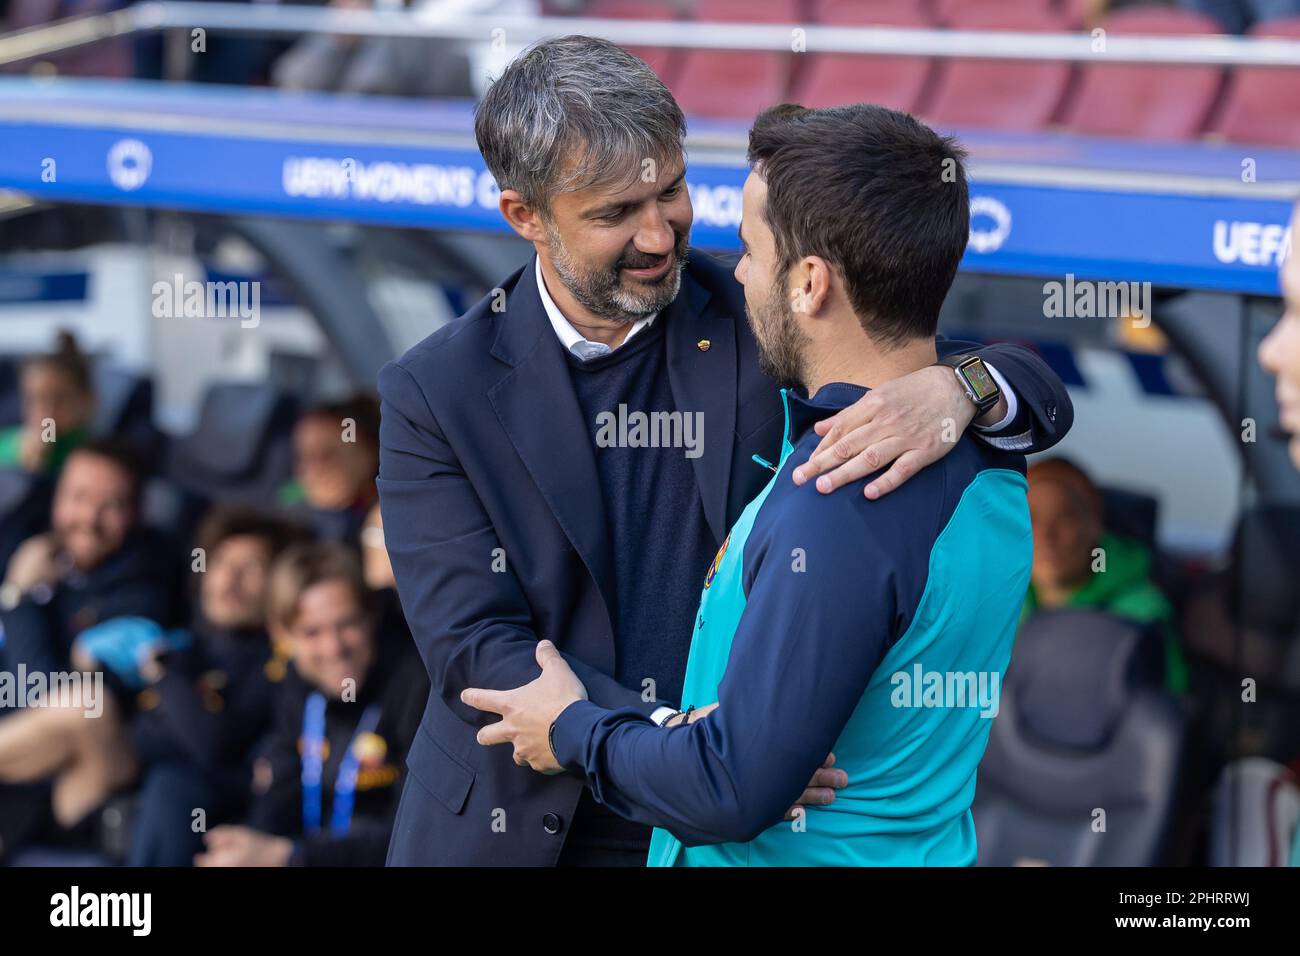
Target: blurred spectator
(207, 705)
(386, 66)
(378, 571)
(1279, 355)
(325, 790)
(97, 562)
(58, 400)
(374, 555)
(82, 760)
(336, 458)
(1079, 564)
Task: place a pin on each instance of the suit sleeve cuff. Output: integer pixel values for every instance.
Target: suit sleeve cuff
(571, 731)
(1015, 431)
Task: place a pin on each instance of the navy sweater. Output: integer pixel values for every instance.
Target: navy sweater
(660, 550)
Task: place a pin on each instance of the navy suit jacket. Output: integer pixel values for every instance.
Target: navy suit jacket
(494, 522)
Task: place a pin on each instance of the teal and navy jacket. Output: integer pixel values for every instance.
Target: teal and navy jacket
(879, 630)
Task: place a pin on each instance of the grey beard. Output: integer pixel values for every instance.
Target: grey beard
(603, 293)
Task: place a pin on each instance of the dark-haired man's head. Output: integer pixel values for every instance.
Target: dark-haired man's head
(239, 544)
(854, 221)
(585, 143)
(96, 501)
(336, 453)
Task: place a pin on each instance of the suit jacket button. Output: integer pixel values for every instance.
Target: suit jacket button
(552, 823)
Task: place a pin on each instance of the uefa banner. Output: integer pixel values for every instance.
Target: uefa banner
(1187, 215)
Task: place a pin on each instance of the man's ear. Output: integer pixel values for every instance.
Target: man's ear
(810, 285)
(522, 218)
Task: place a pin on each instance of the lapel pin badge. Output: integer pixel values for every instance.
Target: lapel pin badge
(703, 345)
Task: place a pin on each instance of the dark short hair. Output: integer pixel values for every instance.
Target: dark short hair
(121, 454)
(879, 195)
(361, 407)
(235, 520)
(573, 111)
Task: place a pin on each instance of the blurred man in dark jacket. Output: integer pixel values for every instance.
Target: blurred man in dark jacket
(207, 705)
(97, 562)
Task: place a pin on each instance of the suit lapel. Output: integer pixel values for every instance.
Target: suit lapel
(702, 375)
(539, 411)
(537, 407)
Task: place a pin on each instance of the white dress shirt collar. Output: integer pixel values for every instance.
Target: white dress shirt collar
(568, 335)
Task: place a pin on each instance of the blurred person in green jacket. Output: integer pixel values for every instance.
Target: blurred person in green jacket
(1079, 564)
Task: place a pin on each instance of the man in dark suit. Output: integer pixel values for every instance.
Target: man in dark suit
(564, 461)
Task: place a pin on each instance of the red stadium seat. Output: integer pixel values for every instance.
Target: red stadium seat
(1147, 102)
(1001, 94)
(663, 60)
(1075, 12)
(737, 84)
(1261, 102)
(109, 57)
(832, 79)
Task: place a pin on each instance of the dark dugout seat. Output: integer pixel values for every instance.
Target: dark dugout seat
(1244, 622)
(25, 501)
(122, 398)
(11, 406)
(124, 410)
(1084, 725)
(240, 450)
(1131, 513)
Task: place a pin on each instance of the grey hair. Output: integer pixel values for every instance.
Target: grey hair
(574, 111)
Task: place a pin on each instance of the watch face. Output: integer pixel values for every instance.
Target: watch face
(977, 377)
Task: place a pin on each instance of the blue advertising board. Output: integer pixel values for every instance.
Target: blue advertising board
(1182, 215)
